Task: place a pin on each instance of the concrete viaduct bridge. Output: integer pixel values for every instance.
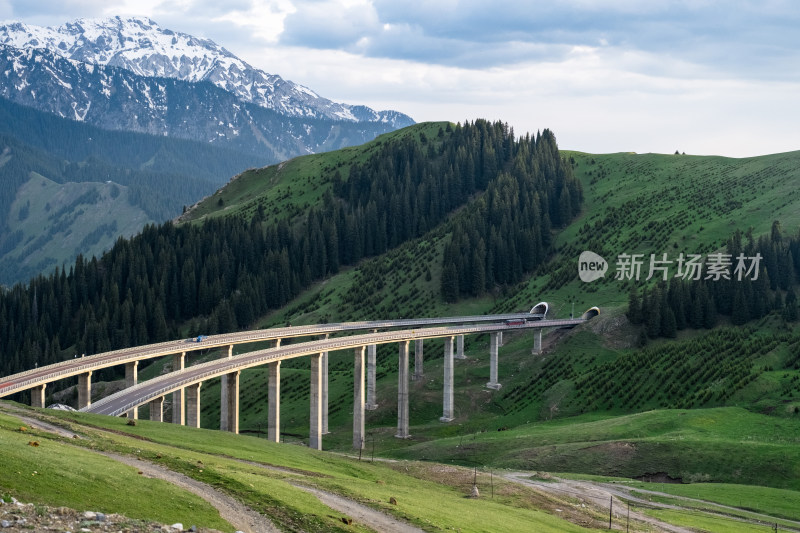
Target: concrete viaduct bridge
(184, 383)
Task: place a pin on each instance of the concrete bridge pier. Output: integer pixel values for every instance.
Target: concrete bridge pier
(315, 428)
(193, 405)
(499, 338)
(372, 364)
(157, 409)
(418, 361)
(402, 392)
(131, 379)
(229, 416)
(325, 390)
(37, 396)
(179, 396)
(494, 342)
(447, 400)
(223, 397)
(358, 399)
(277, 343)
(460, 347)
(537, 341)
(85, 389)
(274, 402)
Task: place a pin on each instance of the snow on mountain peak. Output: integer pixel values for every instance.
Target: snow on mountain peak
(140, 45)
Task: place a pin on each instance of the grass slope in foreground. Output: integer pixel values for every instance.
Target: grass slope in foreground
(265, 476)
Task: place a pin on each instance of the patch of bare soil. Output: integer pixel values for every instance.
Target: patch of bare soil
(599, 498)
(616, 451)
(237, 514)
(360, 513)
(493, 485)
(615, 329)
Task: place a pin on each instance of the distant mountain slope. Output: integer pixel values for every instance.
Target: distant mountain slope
(49, 223)
(120, 100)
(142, 47)
(52, 209)
(77, 142)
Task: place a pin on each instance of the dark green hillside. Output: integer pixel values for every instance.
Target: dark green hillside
(52, 209)
(599, 368)
(441, 219)
(225, 272)
(653, 203)
(159, 177)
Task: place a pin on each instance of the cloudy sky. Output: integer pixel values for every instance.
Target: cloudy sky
(700, 76)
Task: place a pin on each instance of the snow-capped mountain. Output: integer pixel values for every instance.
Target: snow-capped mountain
(131, 75)
(140, 46)
(117, 99)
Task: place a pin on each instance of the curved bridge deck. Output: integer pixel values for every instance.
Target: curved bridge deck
(184, 383)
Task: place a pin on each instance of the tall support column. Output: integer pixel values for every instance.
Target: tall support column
(358, 399)
(494, 341)
(402, 392)
(223, 398)
(499, 338)
(85, 389)
(37, 396)
(131, 374)
(315, 428)
(460, 347)
(371, 370)
(131, 379)
(193, 405)
(274, 399)
(537, 341)
(231, 422)
(447, 401)
(418, 361)
(157, 409)
(277, 343)
(179, 396)
(325, 391)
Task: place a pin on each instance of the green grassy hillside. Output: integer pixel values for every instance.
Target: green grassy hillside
(286, 190)
(728, 445)
(52, 222)
(655, 204)
(267, 477)
(633, 204)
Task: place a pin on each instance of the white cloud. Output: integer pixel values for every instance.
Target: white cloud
(262, 20)
(701, 76)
